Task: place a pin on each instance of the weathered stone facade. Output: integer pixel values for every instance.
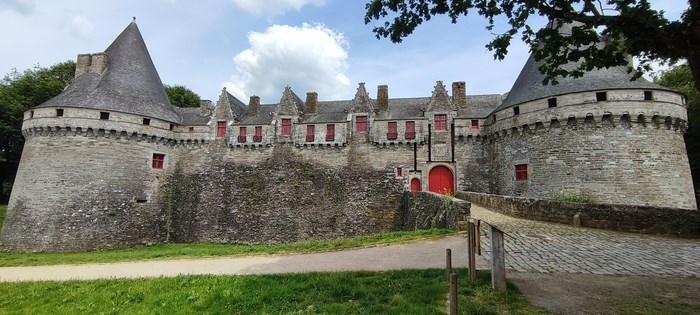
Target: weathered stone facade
(100, 170)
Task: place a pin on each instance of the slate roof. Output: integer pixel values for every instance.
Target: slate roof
(192, 116)
(528, 86)
(404, 108)
(263, 117)
(129, 84)
(237, 107)
(330, 111)
(480, 106)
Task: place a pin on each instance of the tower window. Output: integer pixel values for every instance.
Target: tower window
(59, 112)
(521, 172)
(552, 102)
(104, 115)
(440, 122)
(158, 161)
(648, 96)
(146, 121)
(516, 110)
(361, 123)
(601, 96)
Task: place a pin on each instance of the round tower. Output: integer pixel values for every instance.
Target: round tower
(90, 165)
(603, 135)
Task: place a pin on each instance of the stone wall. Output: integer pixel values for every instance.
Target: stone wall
(426, 210)
(625, 218)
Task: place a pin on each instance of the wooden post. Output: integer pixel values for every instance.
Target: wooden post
(470, 250)
(448, 263)
(498, 260)
(453, 294)
(478, 237)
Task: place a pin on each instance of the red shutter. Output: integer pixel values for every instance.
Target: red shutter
(475, 124)
(286, 127)
(158, 161)
(410, 130)
(310, 133)
(440, 122)
(391, 132)
(220, 129)
(330, 132)
(242, 135)
(361, 123)
(258, 134)
(415, 185)
(521, 172)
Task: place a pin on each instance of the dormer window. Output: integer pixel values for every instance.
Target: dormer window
(440, 122)
(220, 129)
(286, 127)
(59, 112)
(361, 123)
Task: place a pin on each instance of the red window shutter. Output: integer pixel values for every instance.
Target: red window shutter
(220, 129)
(330, 132)
(158, 161)
(475, 124)
(440, 122)
(310, 133)
(258, 134)
(521, 172)
(410, 130)
(242, 135)
(286, 127)
(391, 132)
(361, 123)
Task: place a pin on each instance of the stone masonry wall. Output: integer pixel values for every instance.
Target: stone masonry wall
(426, 210)
(626, 218)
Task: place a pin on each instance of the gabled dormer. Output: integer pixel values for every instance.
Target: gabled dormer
(441, 110)
(287, 114)
(224, 115)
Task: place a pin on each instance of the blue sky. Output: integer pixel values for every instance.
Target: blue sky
(257, 47)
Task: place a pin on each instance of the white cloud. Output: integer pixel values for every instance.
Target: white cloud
(21, 6)
(274, 7)
(307, 58)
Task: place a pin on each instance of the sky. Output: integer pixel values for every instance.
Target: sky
(257, 47)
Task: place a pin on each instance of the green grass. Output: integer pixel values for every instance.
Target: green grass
(179, 251)
(2, 214)
(393, 292)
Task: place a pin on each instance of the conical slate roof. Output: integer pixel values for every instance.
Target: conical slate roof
(129, 84)
(528, 86)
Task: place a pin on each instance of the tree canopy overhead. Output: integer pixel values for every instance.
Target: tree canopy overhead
(630, 27)
(181, 96)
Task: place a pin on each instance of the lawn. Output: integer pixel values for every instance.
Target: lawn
(391, 292)
(178, 251)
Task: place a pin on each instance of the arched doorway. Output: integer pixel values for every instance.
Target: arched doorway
(440, 180)
(415, 184)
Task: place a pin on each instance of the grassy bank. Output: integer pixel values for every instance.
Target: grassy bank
(395, 292)
(176, 251)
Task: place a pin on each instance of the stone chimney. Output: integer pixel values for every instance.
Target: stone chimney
(87, 63)
(254, 105)
(311, 103)
(383, 97)
(459, 95)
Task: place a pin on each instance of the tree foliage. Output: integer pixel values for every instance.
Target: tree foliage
(680, 79)
(630, 27)
(20, 91)
(181, 96)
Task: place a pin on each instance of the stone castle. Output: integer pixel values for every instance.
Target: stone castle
(110, 162)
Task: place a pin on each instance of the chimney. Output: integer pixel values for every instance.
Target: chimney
(98, 63)
(82, 66)
(254, 105)
(311, 103)
(383, 97)
(459, 94)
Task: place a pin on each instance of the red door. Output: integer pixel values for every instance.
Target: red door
(440, 180)
(415, 185)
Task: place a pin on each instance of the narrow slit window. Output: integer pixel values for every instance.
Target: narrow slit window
(146, 121)
(521, 172)
(172, 126)
(601, 96)
(391, 133)
(286, 127)
(552, 102)
(31, 114)
(104, 115)
(410, 130)
(59, 112)
(158, 161)
(330, 132)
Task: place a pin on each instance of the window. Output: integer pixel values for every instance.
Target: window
(31, 114)
(242, 135)
(440, 122)
(399, 171)
(648, 96)
(158, 161)
(59, 112)
(521, 172)
(552, 102)
(286, 127)
(330, 132)
(361, 123)
(258, 134)
(516, 110)
(410, 130)
(601, 96)
(146, 121)
(475, 124)
(191, 129)
(172, 126)
(391, 133)
(104, 115)
(220, 129)
(310, 133)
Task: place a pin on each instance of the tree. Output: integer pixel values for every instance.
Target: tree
(630, 27)
(181, 96)
(18, 93)
(680, 79)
